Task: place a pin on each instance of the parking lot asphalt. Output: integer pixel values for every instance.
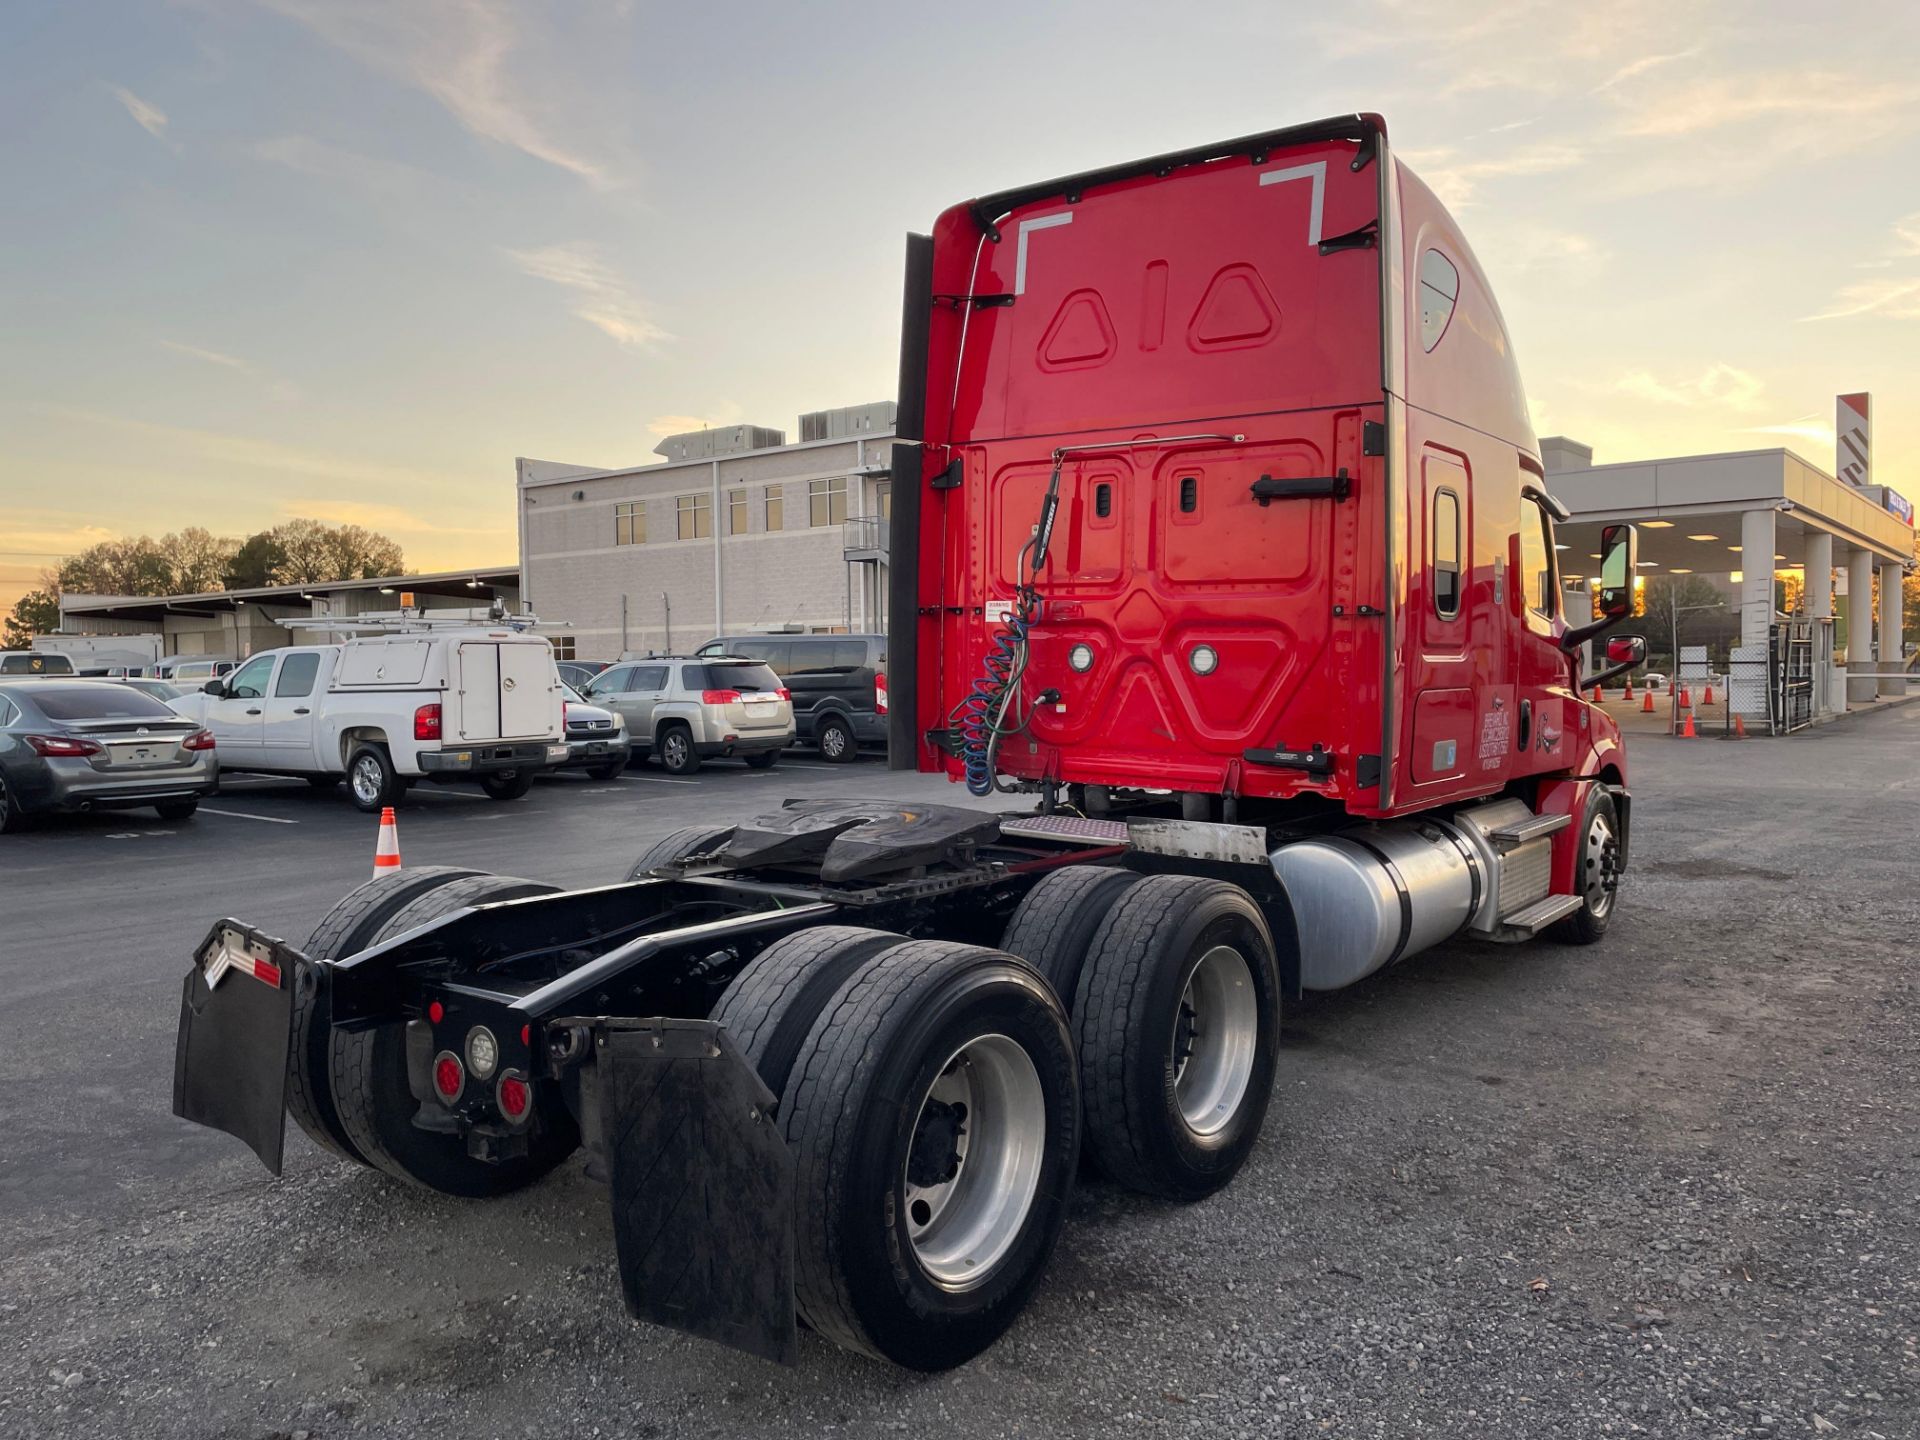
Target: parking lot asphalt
(1662, 1187)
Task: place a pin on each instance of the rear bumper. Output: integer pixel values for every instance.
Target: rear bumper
(491, 759)
(745, 744)
(70, 785)
(598, 750)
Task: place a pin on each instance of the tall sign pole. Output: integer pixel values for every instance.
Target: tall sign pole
(1853, 439)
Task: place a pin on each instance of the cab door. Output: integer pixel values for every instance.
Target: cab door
(236, 717)
(1441, 674)
(1547, 704)
(286, 728)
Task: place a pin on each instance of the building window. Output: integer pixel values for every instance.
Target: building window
(563, 647)
(776, 506)
(827, 501)
(630, 522)
(695, 514)
(883, 499)
(1446, 554)
(736, 512)
(1439, 292)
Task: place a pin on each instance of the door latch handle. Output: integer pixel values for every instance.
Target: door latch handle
(253, 712)
(1313, 487)
(301, 710)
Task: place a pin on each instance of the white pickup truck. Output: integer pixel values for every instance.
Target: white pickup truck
(386, 710)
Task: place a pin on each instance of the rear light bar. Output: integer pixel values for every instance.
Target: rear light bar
(60, 745)
(426, 722)
(880, 693)
(199, 740)
(719, 697)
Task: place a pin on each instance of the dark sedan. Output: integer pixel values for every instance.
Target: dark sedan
(69, 745)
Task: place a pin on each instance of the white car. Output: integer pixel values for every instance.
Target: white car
(386, 710)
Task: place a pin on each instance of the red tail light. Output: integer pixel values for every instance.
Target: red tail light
(719, 697)
(880, 693)
(449, 1076)
(426, 723)
(60, 745)
(564, 708)
(515, 1096)
(784, 693)
(199, 740)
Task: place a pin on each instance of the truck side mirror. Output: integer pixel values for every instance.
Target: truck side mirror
(217, 688)
(1628, 650)
(1619, 555)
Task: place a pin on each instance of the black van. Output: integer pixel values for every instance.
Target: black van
(838, 683)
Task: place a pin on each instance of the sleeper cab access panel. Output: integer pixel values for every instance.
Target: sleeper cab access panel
(1218, 590)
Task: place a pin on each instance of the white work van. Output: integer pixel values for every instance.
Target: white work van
(384, 711)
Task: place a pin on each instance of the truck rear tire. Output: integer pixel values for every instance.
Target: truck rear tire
(677, 845)
(346, 930)
(176, 809)
(675, 749)
(762, 759)
(934, 1122)
(612, 770)
(371, 779)
(1596, 871)
(1178, 1022)
(1054, 927)
(375, 1100)
(770, 1007)
(507, 784)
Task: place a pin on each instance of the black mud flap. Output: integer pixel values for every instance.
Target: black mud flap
(236, 1024)
(702, 1184)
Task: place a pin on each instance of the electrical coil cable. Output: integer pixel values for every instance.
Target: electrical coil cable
(988, 713)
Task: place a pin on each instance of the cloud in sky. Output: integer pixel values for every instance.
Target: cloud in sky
(1454, 178)
(1721, 101)
(1806, 427)
(388, 519)
(1899, 299)
(457, 51)
(601, 297)
(1633, 69)
(1719, 385)
(150, 118)
(212, 357)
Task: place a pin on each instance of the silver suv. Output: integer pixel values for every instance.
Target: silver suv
(685, 711)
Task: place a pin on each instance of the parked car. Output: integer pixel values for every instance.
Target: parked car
(578, 673)
(1654, 680)
(596, 738)
(838, 683)
(384, 711)
(187, 671)
(158, 689)
(34, 662)
(685, 710)
(68, 745)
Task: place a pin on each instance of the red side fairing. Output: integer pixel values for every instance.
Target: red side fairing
(1197, 304)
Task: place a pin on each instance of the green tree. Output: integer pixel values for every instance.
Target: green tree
(135, 566)
(1663, 595)
(314, 552)
(254, 563)
(34, 613)
(198, 559)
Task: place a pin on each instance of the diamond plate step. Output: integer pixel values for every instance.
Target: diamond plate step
(1071, 828)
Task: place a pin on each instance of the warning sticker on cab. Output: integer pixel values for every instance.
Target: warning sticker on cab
(999, 612)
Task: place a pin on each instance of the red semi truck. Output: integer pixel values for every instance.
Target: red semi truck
(1220, 533)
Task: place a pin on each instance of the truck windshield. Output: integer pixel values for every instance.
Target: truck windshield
(746, 676)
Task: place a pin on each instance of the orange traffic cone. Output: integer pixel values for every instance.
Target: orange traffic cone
(1646, 707)
(1686, 700)
(1629, 693)
(386, 854)
(1707, 699)
(1687, 732)
(1599, 695)
(1739, 728)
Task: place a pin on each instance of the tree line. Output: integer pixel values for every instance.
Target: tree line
(196, 561)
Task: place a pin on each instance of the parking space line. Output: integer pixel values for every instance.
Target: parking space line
(658, 780)
(239, 815)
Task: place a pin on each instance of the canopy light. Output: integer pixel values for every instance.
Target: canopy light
(1703, 537)
(1656, 524)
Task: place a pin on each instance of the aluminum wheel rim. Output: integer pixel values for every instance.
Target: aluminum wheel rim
(676, 748)
(366, 779)
(834, 741)
(963, 1227)
(1599, 861)
(1216, 1036)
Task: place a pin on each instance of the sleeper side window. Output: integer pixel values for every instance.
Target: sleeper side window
(1439, 293)
(1536, 560)
(1446, 554)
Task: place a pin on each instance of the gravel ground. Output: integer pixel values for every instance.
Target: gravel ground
(1663, 1187)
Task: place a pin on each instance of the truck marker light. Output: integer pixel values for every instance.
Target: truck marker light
(1203, 659)
(436, 1012)
(483, 1052)
(1081, 658)
(526, 1035)
(449, 1076)
(514, 1095)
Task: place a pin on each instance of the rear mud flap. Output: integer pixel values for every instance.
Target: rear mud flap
(702, 1184)
(236, 1025)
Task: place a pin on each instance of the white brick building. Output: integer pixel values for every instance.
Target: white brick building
(735, 532)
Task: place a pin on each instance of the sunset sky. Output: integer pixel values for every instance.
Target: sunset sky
(347, 258)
